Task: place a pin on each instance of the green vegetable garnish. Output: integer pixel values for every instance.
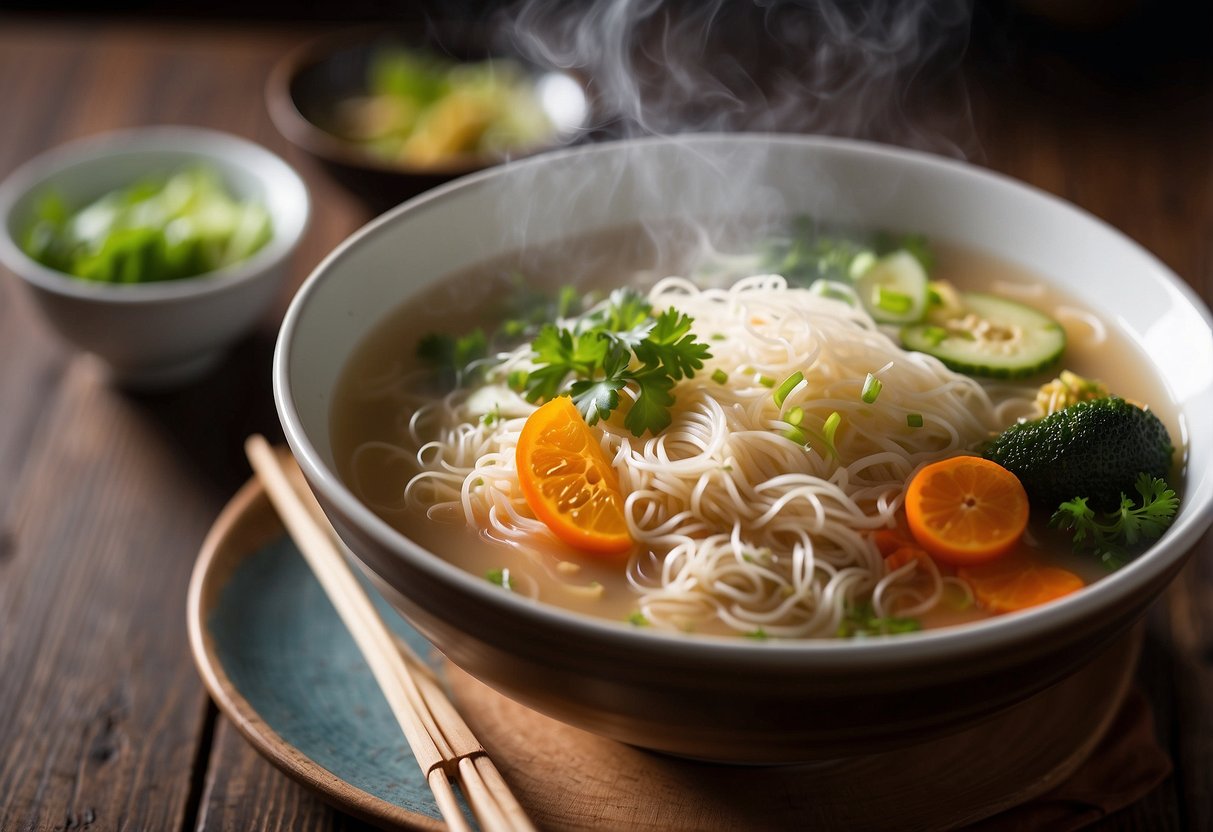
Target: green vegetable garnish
(859, 621)
(450, 355)
(720, 377)
(638, 619)
(1094, 449)
(871, 389)
(625, 344)
(914, 420)
(499, 577)
(180, 225)
(1112, 536)
(788, 385)
(423, 108)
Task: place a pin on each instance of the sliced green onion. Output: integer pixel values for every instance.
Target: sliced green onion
(766, 381)
(891, 301)
(860, 265)
(720, 377)
(794, 416)
(914, 420)
(831, 426)
(638, 619)
(500, 577)
(517, 380)
(796, 435)
(757, 635)
(834, 290)
(717, 336)
(871, 389)
(789, 384)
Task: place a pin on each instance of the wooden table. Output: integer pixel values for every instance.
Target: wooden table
(105, 497)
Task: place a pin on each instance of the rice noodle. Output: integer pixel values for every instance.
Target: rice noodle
(736, 523)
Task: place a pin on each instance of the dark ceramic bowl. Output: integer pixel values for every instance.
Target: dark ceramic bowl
(306, 87)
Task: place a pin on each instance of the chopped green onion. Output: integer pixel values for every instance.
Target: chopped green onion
(757, 635)
(871, 389)
(720, 377)
(796, 435)
(638, 619)
(862, 262)
(517, 380)
(500, 577)
(794, 416)
(891, 301)
(766, 381)
(717, 336)
(831, 426)
(834, 290)
(914, 420)
(789, 384)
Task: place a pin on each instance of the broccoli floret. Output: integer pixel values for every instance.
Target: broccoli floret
(1094, 449)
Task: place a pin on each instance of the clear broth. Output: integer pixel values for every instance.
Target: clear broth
(476, 296)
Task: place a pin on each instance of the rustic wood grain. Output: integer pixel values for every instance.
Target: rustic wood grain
(103, 706)
(104, 497)
(243, 792)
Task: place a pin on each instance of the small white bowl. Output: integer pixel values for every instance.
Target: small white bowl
(163, 333)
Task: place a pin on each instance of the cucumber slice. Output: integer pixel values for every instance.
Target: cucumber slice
(992, 336)
(894, 289)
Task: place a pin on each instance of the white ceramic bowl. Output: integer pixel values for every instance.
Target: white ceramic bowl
(155, 334)
(732, 699)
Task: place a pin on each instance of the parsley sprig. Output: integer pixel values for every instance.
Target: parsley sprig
(1111, 536)
(623, 344)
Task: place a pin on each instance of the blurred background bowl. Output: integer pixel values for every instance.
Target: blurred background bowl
(161, 333)
(733, 699)
(308, 87)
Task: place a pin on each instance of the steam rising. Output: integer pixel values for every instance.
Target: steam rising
(882, 71)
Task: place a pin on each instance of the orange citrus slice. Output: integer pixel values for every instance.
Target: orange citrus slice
(1018, 582)
(568, 481)
(966, 509)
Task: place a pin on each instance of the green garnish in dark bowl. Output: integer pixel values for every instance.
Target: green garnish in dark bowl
(175, 226)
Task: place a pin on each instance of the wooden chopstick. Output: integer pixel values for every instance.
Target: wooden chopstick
(441, 741)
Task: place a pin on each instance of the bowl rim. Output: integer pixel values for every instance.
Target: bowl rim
(297, 128)
(807, 654)
(269, 170)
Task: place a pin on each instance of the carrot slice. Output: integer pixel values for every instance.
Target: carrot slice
(1018, 582)
(568, 482)
(966, 509)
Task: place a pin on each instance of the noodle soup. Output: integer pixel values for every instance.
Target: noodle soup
(772, 504)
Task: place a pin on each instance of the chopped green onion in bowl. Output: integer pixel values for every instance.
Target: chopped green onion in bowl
(165, 228)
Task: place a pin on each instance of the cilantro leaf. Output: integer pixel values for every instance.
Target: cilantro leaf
(622, 345)
(626, 309)
(1111, 536)
(671, 345)
(651, 410)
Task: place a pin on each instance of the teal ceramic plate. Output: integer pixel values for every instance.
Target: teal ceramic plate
(280, 664)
